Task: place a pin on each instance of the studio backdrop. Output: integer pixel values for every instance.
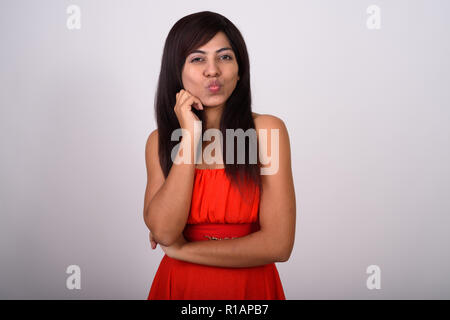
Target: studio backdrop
(362, 86)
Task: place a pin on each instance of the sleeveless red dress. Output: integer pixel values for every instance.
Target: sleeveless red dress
(218, 211)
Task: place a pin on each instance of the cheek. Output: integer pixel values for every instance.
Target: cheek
(188, 74)
(191, 79)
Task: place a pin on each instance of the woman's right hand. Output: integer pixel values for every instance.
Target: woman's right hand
(183, 109)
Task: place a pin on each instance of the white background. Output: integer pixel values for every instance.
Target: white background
(367, 113)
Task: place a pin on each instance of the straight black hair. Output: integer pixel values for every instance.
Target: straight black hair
(190, 33)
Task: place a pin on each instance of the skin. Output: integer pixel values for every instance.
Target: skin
(275, 239)
(200, 68)
(277, 214)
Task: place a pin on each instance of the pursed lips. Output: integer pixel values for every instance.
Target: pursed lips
(214, 84)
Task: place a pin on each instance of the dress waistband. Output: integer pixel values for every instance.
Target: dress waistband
(218, 231)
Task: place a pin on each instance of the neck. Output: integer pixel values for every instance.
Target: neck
(212, 116)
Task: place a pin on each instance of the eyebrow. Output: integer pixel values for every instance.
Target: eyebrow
(217, 51)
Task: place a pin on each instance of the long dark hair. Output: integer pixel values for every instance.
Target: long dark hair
(189, 33)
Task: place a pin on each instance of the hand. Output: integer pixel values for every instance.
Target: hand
(183, 109)
(173, 251)
(152, 241)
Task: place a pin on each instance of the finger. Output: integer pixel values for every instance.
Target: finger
(179, 98)
(197, 100)
(187, 103)
(199, 105)
(194, 102)
(189, 100)
(181, 93)
(184, 97)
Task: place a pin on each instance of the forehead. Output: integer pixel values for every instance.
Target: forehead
(220, 40)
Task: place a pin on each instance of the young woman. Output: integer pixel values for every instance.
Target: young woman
(222, 226)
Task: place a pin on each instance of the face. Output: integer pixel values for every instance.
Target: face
(210, 63)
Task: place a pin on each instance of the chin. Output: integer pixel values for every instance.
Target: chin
(212, 102)
(213, 105)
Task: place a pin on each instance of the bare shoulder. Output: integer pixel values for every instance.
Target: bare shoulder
(152, 140)
(276, 143)
(268, 121)
(154, 134)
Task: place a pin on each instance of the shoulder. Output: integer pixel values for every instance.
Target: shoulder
(268, 121)
(151, 145)
(153, 137)
(273, 139)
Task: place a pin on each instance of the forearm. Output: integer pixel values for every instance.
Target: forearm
(167, 213)
(248, 251)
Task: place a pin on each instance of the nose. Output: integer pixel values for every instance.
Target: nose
(211, 68)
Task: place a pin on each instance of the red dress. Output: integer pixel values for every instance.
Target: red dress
(218, 210)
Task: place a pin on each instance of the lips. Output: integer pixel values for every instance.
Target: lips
(214, 84)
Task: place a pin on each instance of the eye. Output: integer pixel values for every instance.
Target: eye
(228, 57)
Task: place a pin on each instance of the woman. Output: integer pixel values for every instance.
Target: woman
(222, 226)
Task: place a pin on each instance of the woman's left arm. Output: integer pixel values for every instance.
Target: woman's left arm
(277, 213)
